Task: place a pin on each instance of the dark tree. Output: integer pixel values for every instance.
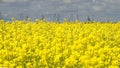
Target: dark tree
(21, 16)
(43, 17)
(77, 16)
(58, 18)
(88, 19)
(1, 16)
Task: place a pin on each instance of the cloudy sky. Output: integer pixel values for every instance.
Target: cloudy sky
(66, 8)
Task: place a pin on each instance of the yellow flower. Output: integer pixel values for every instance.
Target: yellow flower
(115, 62)
(54, 44)
(29, 65)
(19, 67)
(113, 67)
(71, 61)
(57, 58)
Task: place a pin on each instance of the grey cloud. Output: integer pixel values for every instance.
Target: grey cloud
(37, 7)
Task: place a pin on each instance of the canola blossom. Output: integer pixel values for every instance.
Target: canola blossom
(41, 44)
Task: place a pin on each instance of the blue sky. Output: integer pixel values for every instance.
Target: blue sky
(102, 9)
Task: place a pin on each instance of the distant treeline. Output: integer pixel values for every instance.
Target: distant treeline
(60, 17)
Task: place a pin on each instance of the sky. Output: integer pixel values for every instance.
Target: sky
(71, 9)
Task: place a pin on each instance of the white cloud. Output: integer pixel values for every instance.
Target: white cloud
(97, 8)
(13, 1)
(111, 1)
(98, 5)
(67, 1)
(93, 1)
(8, 1)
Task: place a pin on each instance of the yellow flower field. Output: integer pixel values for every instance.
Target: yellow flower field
(42, 44)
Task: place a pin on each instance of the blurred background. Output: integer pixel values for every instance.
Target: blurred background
(57, 10)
